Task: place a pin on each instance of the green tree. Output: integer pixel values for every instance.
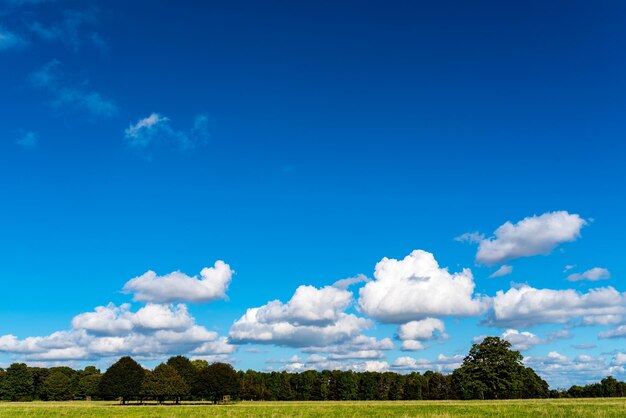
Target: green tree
(217, 380)
(163, 383)
(492, 370)
(57, 386)
(122, 380)
(200, 364)
(368, 385)
(187, 371)
(18, 383)
(88, 386)
(413, 386)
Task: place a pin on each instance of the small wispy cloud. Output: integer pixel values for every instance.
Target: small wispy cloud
(74, 29)
(9, 39)
(504, 270)
(157, 128)
(28, 139)
(48, 78)
(594, 274)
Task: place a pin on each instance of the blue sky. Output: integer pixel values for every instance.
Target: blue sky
(301, 144)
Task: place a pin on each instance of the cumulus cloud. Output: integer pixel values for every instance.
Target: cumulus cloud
(421, 330)
(359, 347)
(152, 331)
(594, 274)
(526, 306)
(443, 364)
(521, 341)
(562, 371)
(416, 288)
(48, 79)
(619, 332)
(156, 128)
(312, 317)
(414, 333)
(176, 286)
(317, 362)
(504, 270)
(602, 320)
(534, 235)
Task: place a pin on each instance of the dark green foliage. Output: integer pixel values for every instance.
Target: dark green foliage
(122, 380)
(163, 383)
(187, 371)
(88, 386)
(492, 370)
(18, 383)
(57, 386)
(217, 380)
(608, 387)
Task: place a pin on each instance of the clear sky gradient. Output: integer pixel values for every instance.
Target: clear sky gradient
(302, 143)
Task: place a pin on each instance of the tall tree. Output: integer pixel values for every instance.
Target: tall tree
(122, 380)
(18, 382)
(187, 371)
(163, 383)
(217, 380)
(88, 386)
(492, 370)
(57, 386)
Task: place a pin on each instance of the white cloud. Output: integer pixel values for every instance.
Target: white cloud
(521, 341)
(535, 235)
(619, 332)
(308, 306)
(562, 371)
(316, 362)
(156, 128)
(346, 283)
(412, 345)
(110, 320)
(442, 364)
(48, 79)
(358, 343)
(414, 332)
(602, 320)
(312, 317)
(526, 306)
(176, 286)
(69, 353)
(594, 274)
(363, 354)
(504, 270)
(473, 237)
(151, 332)
(159, 317)
(415, 288)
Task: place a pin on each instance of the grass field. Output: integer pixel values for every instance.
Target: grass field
(612, 407)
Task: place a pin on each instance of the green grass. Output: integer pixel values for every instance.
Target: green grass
(611, 407)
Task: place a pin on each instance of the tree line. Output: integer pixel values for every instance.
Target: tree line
(491, 370)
